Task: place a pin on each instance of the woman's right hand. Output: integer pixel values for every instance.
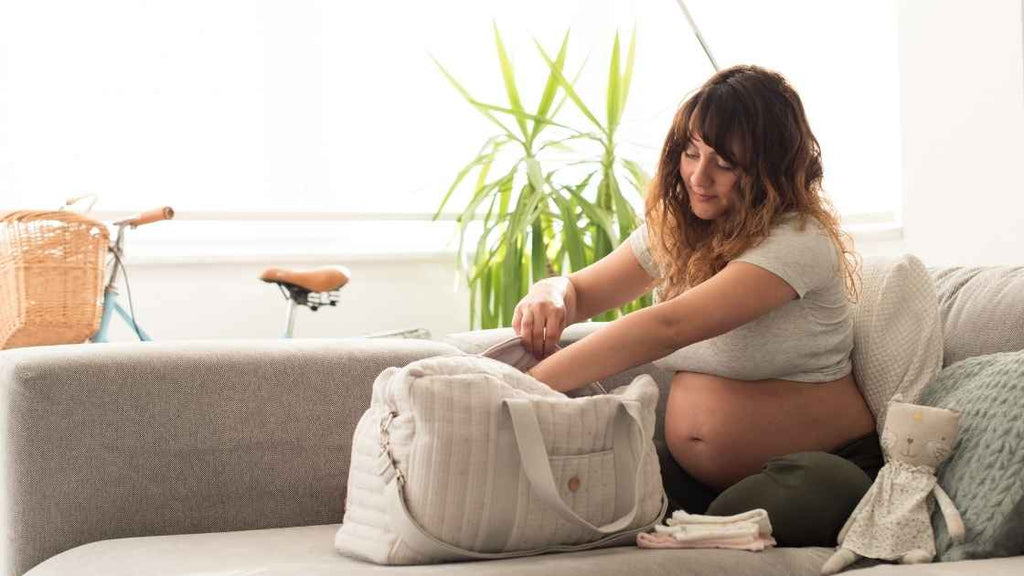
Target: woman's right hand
(542, 315)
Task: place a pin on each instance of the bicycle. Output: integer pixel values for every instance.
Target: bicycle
(115, 265)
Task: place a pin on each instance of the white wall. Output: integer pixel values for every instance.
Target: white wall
(962, 108)
(226, 300)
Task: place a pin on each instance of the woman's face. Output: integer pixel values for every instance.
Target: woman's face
(711, 182)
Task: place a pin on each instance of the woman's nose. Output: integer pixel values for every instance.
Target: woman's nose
(701, 176)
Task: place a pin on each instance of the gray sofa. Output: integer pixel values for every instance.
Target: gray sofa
(231, 457)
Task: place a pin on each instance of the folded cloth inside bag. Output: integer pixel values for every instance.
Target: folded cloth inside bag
(750, 530)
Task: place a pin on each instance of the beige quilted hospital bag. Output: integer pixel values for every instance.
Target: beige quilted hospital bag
(465, 457)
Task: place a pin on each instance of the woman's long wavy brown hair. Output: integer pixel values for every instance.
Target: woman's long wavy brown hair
(755, 121)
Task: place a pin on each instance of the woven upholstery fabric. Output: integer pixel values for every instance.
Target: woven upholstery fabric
(445, 438)
(119, 440)
(307, 551)
(897, 332)
(985, 475)
(982, 310)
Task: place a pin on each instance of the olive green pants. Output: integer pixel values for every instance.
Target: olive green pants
(808, 495)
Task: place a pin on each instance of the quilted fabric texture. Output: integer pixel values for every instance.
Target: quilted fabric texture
(985, 475)
(981, 310)
(897, 333)
(446, 440)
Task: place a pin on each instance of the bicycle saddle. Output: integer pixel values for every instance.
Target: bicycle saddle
(327, 279)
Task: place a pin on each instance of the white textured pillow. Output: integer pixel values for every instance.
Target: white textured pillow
(897, 332)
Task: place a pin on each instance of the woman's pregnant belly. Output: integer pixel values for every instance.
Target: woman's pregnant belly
(722, 430)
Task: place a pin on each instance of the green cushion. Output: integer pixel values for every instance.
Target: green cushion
(985, 475)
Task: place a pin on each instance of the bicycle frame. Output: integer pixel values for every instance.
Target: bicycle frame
(110, 295)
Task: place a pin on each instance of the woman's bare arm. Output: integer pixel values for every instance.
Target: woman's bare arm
(741, 292)
(613, 281)
(554, 303)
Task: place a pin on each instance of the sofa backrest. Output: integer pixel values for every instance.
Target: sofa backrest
(136, 439)
(982, 310)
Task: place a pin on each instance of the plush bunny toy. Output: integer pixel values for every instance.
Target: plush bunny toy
(893, 520)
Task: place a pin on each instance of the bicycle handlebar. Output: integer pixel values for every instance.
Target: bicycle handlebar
(148, 217)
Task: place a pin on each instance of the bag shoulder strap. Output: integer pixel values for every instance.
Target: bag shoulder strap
(537, 468)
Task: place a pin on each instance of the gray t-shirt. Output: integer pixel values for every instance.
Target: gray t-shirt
(806, 340)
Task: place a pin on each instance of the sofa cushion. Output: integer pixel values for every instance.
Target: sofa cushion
(985, 475)
(991, 567)
(982, 310)
(309, 551)
(897, 333)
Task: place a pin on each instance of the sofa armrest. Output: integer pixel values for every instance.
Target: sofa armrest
(119, 440)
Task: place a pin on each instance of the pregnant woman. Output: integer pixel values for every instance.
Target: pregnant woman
(753, 280)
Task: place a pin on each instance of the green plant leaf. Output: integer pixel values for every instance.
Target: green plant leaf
(491, 287)
(640, 178)
(473, 294)
(571, 236)
(559, 259)
(603, 243)
(508, 74)
(627, 77)
(482, 257)
(524, 276)
(511, 272)
(505, 196)
(521, 115)
(533, 172)
(481, 194)
(538, 252)
(484, 160)
(598, 215)
(551, 87)
(575, 79)
(473, 101)
(569, 90)
(614, 89)
(624, 212)
(524, 214)
(580, 136)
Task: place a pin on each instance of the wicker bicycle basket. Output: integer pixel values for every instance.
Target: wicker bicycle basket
(51, 277)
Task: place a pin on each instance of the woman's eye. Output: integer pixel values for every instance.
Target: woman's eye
(692, 155)
(725, 166)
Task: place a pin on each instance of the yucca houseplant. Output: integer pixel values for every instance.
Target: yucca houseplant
(552, 205)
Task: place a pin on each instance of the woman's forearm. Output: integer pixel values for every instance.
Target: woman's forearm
(630, 341)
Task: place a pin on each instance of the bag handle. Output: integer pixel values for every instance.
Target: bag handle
(420, 540)
(628, 464)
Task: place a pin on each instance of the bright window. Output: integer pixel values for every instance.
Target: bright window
(316, 107)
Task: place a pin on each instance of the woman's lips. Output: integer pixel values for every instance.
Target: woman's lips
(703, 197)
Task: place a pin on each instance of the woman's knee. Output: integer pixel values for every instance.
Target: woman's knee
(808, 496)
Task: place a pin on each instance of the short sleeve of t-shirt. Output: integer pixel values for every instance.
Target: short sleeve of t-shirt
(642, 251)
(806, 259)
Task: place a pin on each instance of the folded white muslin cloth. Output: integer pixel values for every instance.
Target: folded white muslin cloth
(750, 530)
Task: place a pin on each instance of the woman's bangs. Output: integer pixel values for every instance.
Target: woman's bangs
(717, 121)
